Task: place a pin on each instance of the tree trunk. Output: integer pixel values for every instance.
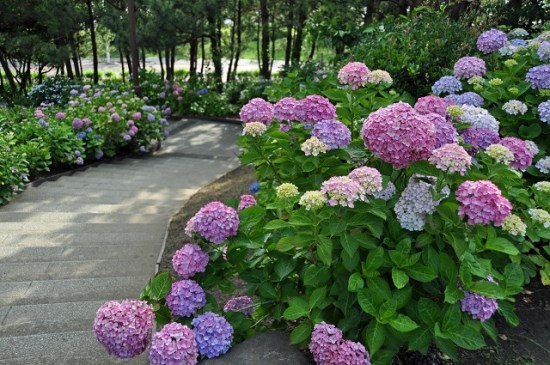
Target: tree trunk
(161, 65)
(215, 47)
(93, 39)
(239, 37)
(272, 44)
(231, 48)
(298, 39)
(74, 56)
(203, 52)
(69, 68)
(173, 62)
(264, 16)
(369, 15)
(258, 47)
(128, 62)
(313, 46)
(122, 64)
(8, 73)
(133, 46)
(169, 75)
(193, 55)
(289, 27)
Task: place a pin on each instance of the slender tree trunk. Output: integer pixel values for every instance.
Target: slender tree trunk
(193, 55)
(313, 46)
(272, 44)
(143, 58)
(122, 64)
(258, 47)
(128, 62)
(369, 15)
(239, 37)
(74, 56)
(69, 68)
(167, 63)
(297, 43)
(80, 63)
(133, 46)
(161, 65)
(173, 62)
(91, 25)
(203, 55)
(264, 15)
(215, 47)
(289, 26)
(231, 48)
(8, 73)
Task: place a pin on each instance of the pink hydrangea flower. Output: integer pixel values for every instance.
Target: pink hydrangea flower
(445, 131)
(257, 110)
(215, 222)
(452, 158)
(399, 135)
(482, 202)
(174, 344)
(246, 201)
(284, 110)
(354, 74)
(185, 298)
(315, 108)
(523, 157)
(189, 260)
(468, 67)
(324, 343)
(352, 353)
(432, 104)
(124, 328)
(343, 191)
(369, 178)
(242, 304)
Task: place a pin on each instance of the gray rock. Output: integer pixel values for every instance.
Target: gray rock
(269, 348)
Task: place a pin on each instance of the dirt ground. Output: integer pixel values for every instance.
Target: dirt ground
(527, 344)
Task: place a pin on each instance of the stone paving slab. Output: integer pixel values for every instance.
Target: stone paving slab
(62, 217)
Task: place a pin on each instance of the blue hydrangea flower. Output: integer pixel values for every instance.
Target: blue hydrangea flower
(43, 123)
(81, 135)
(469, 98)
(539, 77)
(333, 133)
(544, 51)
(544, 111)
(447, 84)
(518, 42)
(99, 155)
(254, 187)
(491, 41)
(202, 91)
(213, 334)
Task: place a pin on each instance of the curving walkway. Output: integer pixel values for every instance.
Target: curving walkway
(69, 245)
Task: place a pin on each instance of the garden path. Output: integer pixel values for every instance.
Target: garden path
(69, 245)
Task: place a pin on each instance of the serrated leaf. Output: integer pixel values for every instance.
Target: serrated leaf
(467, 338)
(402, 323)
(506, 310)
(298, 307)
(324, 250)
(276, 224)
(420, 339)
(267, 290)
(428, 310)
(161, 285)
(349, 245)
(501, 244)
(355, 282)
(283, 267)
(421, 273)
(387, 311)
(399, 278)
(316, 275)
(317, 296)
(301, 333)
(367, 302)
(375, 335)
(375, 259)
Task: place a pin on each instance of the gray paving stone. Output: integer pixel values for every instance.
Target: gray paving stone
(95, 237)
(269, 348)
(63, 217)
(70, 227)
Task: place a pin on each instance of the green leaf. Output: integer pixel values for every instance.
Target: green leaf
(467, 338)
(402, 296)
(317, 297)
(276, 224)
(488, 289)
(402, 323)
(420, 339)
(366, 302)
(400, 279)
(531, 131)
(349, 245)
(300, 220)
(447, 347)
(451, 318)
(428, 310)
(375, 225)
(514, 279)
(301, 333)
(501, 244)
(452, 293)
(298, 308)
(163, 315)
(449, 212)
(335, 94)
(324, 250)
(316, 275)
(161, 285)
(250, 217)
(355, 282)
(284, 266)
(267, 290)
(506, 310)
(387, 311)
(375, 335)
(421, 273)
(375, 259)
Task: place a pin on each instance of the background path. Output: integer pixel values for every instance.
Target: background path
(69, 245)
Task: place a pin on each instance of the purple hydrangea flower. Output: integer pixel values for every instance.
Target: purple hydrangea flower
(432, 104)
(123, 328)
(213, 334)
(174, 344)
(343, 191)
(151, 117)
(242, 304)
(115, 117)
(246, 201)
(284, 109)
(86, 121)
(60, 115)
(189, 260)
(445, 131)
(315, 108)
(452, 158)
(136, 116)
(333, 133)
(43, 123)
(539, 77)
(354, 74)
(523, 157)
(447, 84)
(324, 343)
(544, 51)
(517, 42)
(79, 161)
(482, 202)
(257, 110)
(352, 353)
(491, 41)
(77, 123)
(254, 187)
(469, 98)
(544, 111)
(216, 222)
(478, 306)
(479, 138)
(127, 137)
(99, 155)
(467, 67)
(185, 298)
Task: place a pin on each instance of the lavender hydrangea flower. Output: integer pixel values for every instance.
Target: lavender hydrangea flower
(539, 77)
(150, 117)
(386, 193)
(479, 117)
(174, 344)
(469, 98)
(324, 343)
(544, 111)
(257, 110)
(315, 108)
(333, 133)
(213, 334)
(60, 115)
(99, 155)
(468, 67)
(543, 165)
(216, 222)
(479, 138)
(185, 298)
(189, 260)
(246, 201)
(369, 178)
(354, 74)
(431, 104)
(447, 85)
(242, 304)
(77, 123)
(517, 42)
(482, 202)
(478, 306)
(343, 191)
(491, 41)
(43, 123)
(452, 158)
(284, 110)
(445, 131)
(544, 51)
(123, 328)
(523, 157)
(115, 117)
(352, 353)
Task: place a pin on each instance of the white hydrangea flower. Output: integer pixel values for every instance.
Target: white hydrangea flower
(514, 107)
